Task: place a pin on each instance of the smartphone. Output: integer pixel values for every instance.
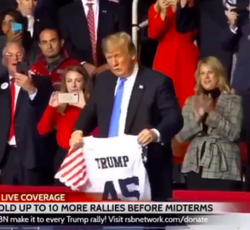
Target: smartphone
(16, 27)
(69, 98)
(22, 67)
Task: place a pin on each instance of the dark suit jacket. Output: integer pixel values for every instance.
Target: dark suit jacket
(239, 42)
(6, 4)
(74, 28)
(44, 18)
(209, 18)
(27, 116)
(154, 106)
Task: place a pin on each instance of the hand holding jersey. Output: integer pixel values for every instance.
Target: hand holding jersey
(112, 167)
(76, 140)
(134, 100)
(145, 137)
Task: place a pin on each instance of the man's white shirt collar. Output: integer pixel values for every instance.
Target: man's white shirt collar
(94, 2)
(132, 77)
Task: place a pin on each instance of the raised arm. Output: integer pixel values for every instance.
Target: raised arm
(87, 120)
(191, 126)
(159, 21)
(230, 35)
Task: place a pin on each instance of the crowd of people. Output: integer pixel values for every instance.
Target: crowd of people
(83, 47)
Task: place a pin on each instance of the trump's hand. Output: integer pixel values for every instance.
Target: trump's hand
(147, 136)
(76, 140)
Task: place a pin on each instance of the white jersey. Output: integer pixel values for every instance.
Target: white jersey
(115, 168)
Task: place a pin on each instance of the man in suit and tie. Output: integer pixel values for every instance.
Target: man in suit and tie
(22, 102)
(84, 23)
(131, 99)
(38, 19)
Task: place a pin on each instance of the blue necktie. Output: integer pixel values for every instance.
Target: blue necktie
(114, 122)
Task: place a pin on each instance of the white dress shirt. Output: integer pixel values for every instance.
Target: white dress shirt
(31, 21)
(96, 12)
(233, 29)
(127, 91)
(31, 96)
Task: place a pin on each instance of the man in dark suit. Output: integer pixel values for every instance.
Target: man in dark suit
(84, 23)
(149, 109)
(22, 102)
(38, 19)
(209, 18)
(6, 4)
(236, 37)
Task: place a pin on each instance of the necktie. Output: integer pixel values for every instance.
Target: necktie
(114, 122)
(13, 93)
(91, 25)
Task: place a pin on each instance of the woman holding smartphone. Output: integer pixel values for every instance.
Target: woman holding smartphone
(64, 108)
(12, 17)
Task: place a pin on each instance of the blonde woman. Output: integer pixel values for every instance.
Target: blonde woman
(212, 123)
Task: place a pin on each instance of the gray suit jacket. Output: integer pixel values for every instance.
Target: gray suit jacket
(217, 152)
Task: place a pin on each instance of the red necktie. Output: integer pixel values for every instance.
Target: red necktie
(91, 25)
(13, 93)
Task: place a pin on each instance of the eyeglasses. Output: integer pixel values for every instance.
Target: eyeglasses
(11, 55)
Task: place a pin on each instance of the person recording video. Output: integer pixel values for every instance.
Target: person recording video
(64, 108)
(23, 98)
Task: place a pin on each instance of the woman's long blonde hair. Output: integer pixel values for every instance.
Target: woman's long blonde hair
(219, 71)
(87, 85)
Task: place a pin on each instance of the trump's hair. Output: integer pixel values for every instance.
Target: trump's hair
(116, 40)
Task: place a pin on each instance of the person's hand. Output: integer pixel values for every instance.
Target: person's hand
(14, 37)
(76, 140)
(53, 101)
(207, 103)
(198, 109)
(101, 69)
(164, 4)
(232, 16)
(233, 91)
(81, 101)
(91, 69)
(25, 82)
(146, 137)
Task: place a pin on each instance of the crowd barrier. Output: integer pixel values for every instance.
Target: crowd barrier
(178, 195)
